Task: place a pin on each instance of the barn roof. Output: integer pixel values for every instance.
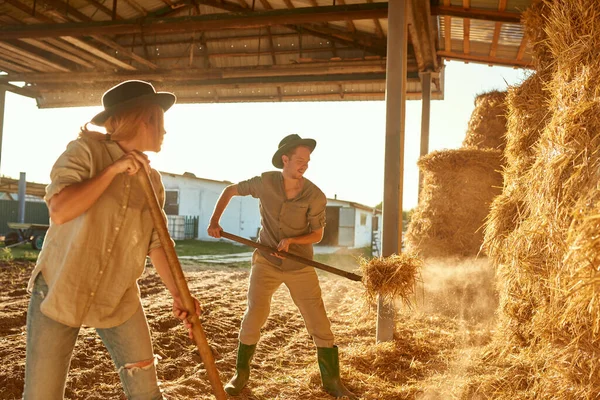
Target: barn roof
(67, 53)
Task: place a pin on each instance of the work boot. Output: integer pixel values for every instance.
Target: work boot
(242, 366)
(329, 364)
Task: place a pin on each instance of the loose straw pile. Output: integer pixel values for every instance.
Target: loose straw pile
(391, 278)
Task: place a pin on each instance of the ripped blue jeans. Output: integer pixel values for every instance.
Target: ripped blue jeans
(50, 346)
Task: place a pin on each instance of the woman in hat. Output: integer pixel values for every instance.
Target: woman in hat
(95, 249)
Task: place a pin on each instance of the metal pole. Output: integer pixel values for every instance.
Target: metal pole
(394, 148)
(425, 117)
(22, 187)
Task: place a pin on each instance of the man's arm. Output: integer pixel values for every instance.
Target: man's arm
(309, 238)
(214, 229)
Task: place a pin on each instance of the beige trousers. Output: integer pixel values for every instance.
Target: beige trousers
(303, 284)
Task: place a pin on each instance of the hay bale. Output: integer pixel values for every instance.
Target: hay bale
(458, 187)
(535, 21)
(487, 125)
(548, 276)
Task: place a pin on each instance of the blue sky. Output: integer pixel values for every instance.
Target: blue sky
(236, 141)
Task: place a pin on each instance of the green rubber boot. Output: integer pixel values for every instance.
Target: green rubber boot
(329, 364)
(240, 379)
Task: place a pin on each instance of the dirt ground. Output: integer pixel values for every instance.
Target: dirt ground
(428, 358)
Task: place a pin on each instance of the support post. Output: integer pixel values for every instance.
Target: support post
(22, 191)
(425, 118)
(395, 97)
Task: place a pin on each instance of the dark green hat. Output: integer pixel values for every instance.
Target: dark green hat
(130, 94)
(288, 143)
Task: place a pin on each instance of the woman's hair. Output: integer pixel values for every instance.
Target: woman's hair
(125, 124)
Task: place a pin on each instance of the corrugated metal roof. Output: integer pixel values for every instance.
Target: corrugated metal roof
(328, 60)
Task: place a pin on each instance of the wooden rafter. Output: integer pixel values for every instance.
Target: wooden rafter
(43, 18)
(8, 66)
(372, 44)
(466, 30)
(61, 53)
(378, 27)
(203, 22)
(23, 91)
(260, 52)
(317, 68)
(447, 30)
(271, 47)
(484, 59)
(30, 58)
(522, 47)
(62, 44)
(114, 45)
(421, 38)
(349, 23)
(497, 29)
(477, 13)
(103, 8)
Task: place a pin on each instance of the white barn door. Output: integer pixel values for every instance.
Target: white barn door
(347, 221)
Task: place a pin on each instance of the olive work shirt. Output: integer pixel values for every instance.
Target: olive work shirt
(92, 262)
(282, 218)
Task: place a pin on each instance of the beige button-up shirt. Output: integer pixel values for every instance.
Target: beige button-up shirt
(91, 263)
(282, 218)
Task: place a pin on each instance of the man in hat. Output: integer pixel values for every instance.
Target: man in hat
(292, 210)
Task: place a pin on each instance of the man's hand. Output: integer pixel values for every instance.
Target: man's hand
(214, 229)
(284, 245)
(180, 312)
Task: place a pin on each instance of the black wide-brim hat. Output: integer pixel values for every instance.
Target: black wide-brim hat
(130, 94)
(289, 142)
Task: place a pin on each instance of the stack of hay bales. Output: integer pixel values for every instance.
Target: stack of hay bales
(459, 185)
(543, 233)
(487, 125)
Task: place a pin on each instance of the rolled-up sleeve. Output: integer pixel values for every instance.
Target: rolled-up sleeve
(252, 186)
(73, 166)
(159, 188)
(316, 213)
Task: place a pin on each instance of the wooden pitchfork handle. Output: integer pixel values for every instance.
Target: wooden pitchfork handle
(307, 261)
(188, 302)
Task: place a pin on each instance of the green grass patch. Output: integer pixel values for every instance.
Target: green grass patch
(22, 252)
(193, 247)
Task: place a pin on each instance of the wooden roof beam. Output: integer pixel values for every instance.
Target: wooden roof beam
(73, 41)
(522, 47)
(466, 30)
(497, 29)
(241, 83)
(420, 30)
(202, 22)
(103, 8)
(447, 29)
(9, 67)
(101, 39)
(349, 23)
(23, 91)
(61, 53)
(477, 13)
(318, 68)
(30, 58)
(484, 59)
(378, 27)
(371, 44)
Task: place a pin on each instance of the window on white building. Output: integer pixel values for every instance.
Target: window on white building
(172, 202)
